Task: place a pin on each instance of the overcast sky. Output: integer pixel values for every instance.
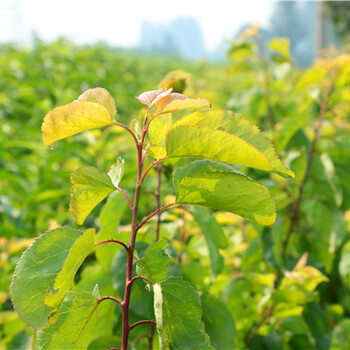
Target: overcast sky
(118, 22)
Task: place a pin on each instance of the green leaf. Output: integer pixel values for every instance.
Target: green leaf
(105, 343)
(108, 312)
(218, 321)
(195, 273)
(49, 263)
(287, 131)
(214, 236)
(280, 48)
(241, 49)
(108, 222)
(74, 118)
(344, 264)
(220, 186)
(89, 188)
(82, 247)
(224, 137)
(102, 97)
(157, 133)
(317, 323)
(74, 327)
(273, 341)
(178, 315)
(116, 171)
(341, 335)
(155, 263)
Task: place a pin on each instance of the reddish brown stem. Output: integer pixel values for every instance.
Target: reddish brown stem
(112, 241)
(140, 277)
(126, 197)
(138, 338)
(159, 182)
(108, 297)
(127, 129)
(130, 254)
(151, 166)
(141, 322)
(159, 210)
(150, 337)
(135, 261)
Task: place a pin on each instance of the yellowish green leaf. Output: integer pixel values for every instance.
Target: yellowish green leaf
(89, 188)
(176, 80)
(157, 133)
(101, 96)
(224, 137)
(74, 118)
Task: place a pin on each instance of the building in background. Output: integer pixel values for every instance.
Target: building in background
(179, 37)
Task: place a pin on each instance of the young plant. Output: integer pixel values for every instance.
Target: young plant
(64, 314)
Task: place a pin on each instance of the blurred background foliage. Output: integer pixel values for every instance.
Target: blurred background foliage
(231, 262)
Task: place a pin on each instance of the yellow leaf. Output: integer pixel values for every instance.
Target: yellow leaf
(74, 118)
(176, 80)
(100, 96)
(176, 102)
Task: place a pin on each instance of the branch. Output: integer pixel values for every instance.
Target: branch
(141, 322)
(126, 197)
(149, 192)
(150, 167)
(149, 123)
(127, 129)
(258, 325)
(310, 155)
(111, 298)
(113, 241)
(136, 261)
(159, 182)
(137, 277)
(164, 207)
(141, 336)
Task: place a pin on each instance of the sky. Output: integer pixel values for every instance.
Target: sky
(118, 22)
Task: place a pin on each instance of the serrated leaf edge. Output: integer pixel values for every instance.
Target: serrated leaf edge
(20, 261)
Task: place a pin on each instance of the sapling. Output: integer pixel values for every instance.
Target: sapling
(43, 291)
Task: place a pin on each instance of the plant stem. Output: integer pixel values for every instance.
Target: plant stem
(151, 166)
(130, 252)
(141, 322)
(158, 210)
(126, 197)
(127, 129)
(112, 241)
(140, 277)
(150, 337)
(108, 297)
(159, 182)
